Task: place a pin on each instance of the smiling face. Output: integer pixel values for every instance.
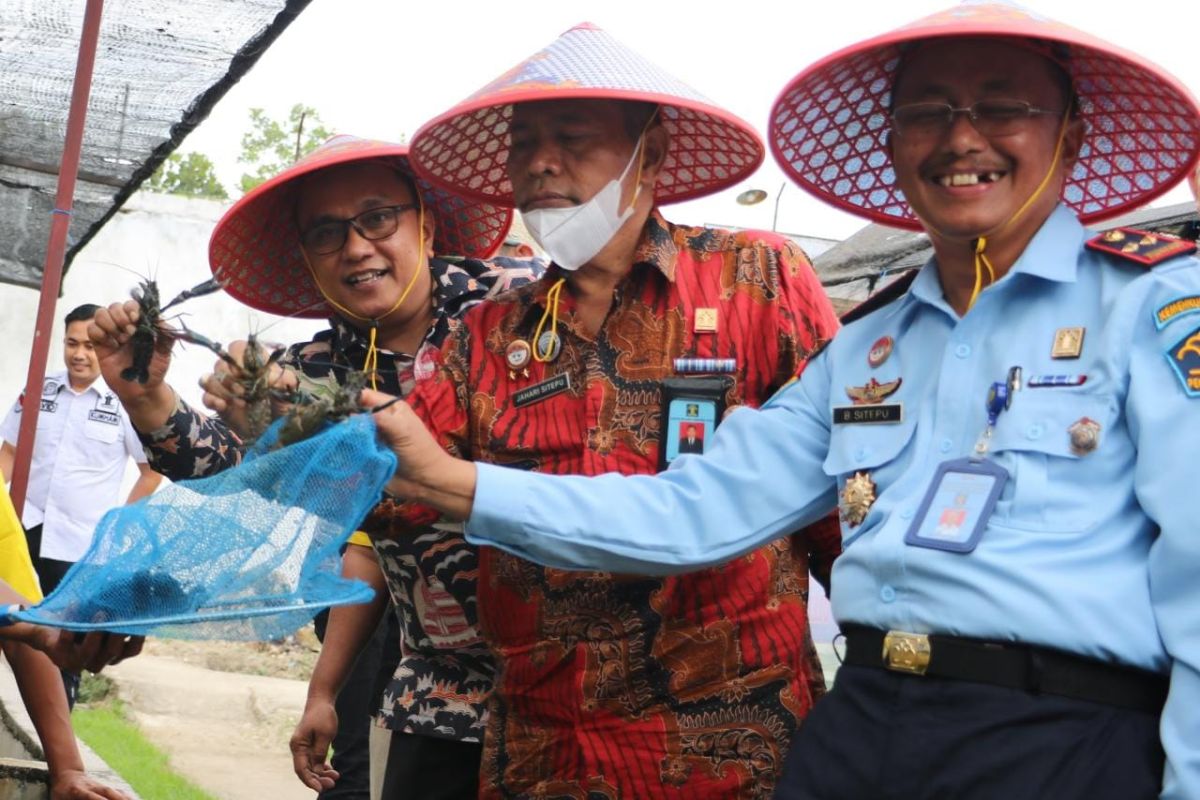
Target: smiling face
(83, 366)
(961, 183)
(367, 277)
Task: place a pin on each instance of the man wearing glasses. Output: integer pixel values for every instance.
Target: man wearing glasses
(349, 233)
(1009, 434)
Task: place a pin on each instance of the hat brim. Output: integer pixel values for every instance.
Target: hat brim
(465, 150)
(828, 126)
(255, 247)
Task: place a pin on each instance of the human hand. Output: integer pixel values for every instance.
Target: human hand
(244, 395)
(93, 651)
(310, 744)
(419, 457)
(425, 473)
(74, 784)
(111, 332)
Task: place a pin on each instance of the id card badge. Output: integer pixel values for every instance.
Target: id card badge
(691, 410)
(957, 506)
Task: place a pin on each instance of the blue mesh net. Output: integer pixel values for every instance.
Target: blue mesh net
(250, 553)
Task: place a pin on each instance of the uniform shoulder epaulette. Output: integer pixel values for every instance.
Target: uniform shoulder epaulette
(1141, 247)
(881, 298)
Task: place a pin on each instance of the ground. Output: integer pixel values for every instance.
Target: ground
(293, 657)
(223, 711)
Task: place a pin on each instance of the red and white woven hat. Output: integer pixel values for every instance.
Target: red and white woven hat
(255, 248)
(465, 150)
(828, 127)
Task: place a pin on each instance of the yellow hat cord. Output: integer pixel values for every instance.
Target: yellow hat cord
(981, 260)
(555, 291)
(371, 363)
(551, 313)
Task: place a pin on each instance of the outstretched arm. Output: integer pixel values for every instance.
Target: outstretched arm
(761, 478)
(41, 688)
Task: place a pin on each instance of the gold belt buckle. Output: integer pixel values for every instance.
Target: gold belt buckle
(906, 652)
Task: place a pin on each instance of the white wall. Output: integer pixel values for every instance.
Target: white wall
(154, 235)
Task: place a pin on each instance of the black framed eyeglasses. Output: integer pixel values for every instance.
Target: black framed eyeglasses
(989, 117)
(374, 224)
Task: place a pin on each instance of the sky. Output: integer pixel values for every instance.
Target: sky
(380, 68)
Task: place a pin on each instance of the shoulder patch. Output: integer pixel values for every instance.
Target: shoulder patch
(1179, 307)
(1184, 357)
(887, 294)
(1141, 247)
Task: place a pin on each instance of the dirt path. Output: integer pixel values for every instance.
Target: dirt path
(225, 732)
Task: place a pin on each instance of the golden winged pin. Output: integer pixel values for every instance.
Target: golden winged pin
(872, 392)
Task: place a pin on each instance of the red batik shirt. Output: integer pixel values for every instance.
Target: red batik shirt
(619, 686)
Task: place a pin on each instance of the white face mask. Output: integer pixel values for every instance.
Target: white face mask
(573, 236)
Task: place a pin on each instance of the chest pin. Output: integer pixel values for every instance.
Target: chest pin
(1085, 436)
(1068, 343)
(858, 496)
(517, 356)
(549, 345)
(880, 351)
(704, 320)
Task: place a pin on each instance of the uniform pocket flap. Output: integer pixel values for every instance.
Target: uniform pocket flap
(855, 447)
(1043, 420)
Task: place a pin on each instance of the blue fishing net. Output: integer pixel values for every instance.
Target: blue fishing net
(249, 553)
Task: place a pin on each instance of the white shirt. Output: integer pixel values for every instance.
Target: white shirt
(82, 441)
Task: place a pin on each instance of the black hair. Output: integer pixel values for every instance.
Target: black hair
(81, 313)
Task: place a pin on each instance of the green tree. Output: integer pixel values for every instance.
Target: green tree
(270, 146)
(191, 175)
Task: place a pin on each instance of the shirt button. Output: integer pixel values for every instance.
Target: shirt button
(861, 454)
(887, 594)
(1035, 431)
(907, 513)
(963, 350)
(947, 445)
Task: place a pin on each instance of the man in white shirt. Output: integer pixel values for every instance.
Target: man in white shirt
(79, 456)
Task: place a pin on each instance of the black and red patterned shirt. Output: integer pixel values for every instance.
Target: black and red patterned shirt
(620, 686)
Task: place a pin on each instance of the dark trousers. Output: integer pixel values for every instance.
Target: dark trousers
(50, 573)
(429, 768)
(356, 703)
(880, 735)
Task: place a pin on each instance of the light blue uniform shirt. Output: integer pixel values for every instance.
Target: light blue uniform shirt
(1098, 553)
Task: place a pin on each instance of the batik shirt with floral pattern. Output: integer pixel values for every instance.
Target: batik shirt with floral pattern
(614, 686)
(445, 671)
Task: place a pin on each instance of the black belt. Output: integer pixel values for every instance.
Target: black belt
(1039, 670)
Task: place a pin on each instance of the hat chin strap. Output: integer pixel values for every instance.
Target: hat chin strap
(980, 242)
(371, 362)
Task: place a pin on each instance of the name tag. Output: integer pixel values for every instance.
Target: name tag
(956, 508)
(868, 414)
(540, 391)
(49, 406)
(104, 416)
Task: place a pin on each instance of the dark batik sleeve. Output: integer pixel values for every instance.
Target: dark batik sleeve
(191, 445)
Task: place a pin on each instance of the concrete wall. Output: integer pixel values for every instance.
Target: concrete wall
(155, 235)
(23, 774)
